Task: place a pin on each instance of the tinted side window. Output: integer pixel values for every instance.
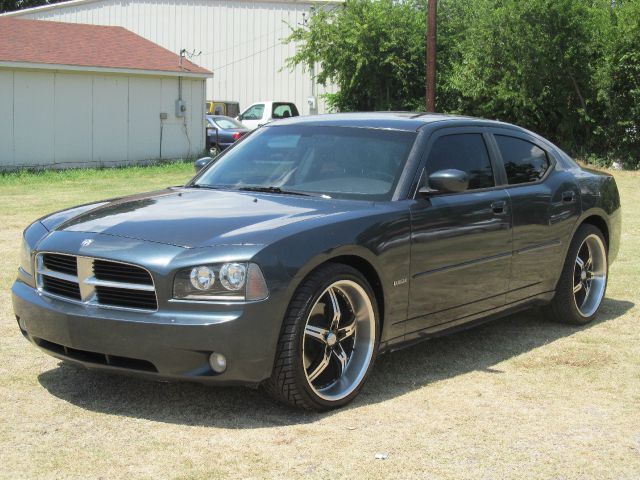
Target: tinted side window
(523, 161)
(466, 152)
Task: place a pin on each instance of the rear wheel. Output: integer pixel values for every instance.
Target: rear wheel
(329, 340)
(583, 281)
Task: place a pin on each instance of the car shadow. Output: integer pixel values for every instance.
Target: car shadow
(394, 374)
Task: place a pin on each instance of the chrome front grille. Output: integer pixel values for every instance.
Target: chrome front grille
(61, 287)
(120, 272)
(61, 263)
(95, 281)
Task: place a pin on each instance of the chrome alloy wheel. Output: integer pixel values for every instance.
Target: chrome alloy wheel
(590, 275)
(339, 340)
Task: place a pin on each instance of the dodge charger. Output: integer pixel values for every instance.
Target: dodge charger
(315, 244)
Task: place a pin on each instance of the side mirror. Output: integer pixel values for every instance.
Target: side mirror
(201, 163)
(446, 181)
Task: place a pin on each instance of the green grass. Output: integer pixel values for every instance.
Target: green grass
(36, 177)
(25, 195)
(520, 397)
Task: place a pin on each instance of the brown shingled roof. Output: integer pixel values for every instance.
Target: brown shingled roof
(36, 41)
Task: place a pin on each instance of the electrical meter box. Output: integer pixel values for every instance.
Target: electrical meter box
(181, 108)
(312, 103)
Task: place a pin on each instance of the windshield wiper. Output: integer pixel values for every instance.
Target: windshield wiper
(210, 187)
(272, 189)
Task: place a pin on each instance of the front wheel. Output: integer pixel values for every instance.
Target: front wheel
(583, 282)
(328, 342)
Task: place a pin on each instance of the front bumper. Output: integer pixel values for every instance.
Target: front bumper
(167, 345)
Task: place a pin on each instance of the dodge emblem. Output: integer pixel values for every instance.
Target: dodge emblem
(86, 242)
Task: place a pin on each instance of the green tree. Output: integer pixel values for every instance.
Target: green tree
(372, 50)
(529, 63)
(568, 69)
(618, 84)
(11, 5)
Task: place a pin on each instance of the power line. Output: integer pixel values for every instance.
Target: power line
(215, 69)
(276, 31)
(245, 42)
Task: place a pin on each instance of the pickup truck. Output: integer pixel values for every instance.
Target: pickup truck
(262, 112)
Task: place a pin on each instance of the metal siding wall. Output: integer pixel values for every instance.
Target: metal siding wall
(73, 131)
(174, 141)
(81, 119)
(196, 113)
(240, 40)
(110, 119)
(6, 118)
(144, 118)
(33, 117)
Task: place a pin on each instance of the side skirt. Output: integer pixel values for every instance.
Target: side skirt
(465, 323)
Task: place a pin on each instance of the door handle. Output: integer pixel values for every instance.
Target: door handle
(568, 196)
(499, 207)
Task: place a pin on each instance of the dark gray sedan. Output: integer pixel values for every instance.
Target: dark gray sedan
(315, 244)
(222, 132)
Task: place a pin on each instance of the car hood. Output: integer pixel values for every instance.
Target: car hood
(190, 218)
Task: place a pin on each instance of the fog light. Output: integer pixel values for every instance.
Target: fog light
(218, 362)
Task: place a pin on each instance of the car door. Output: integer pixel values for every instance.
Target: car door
(544, 207)
(460, 242)
(253, 117)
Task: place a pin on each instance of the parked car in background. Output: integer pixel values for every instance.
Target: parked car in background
(262, 112)
(222, 132)
(222, 107)
(315, 244)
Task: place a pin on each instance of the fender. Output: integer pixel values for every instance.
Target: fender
(390, 296)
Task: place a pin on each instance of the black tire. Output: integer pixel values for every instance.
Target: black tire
(288, 382)
(563, 308)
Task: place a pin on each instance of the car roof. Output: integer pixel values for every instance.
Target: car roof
(407, 121)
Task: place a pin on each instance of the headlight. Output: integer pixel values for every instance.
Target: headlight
(232, 276)
(25, 258)
(202, 278)
(232, 281)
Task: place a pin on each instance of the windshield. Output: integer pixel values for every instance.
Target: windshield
(227, 123)
(340, 162)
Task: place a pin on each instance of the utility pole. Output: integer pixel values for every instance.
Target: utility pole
(430, 81)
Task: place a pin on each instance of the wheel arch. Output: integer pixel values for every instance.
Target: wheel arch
(369, 272)
(597, 219)
(360, 262)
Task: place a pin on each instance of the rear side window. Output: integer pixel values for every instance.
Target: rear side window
(284, 110)
(524, 162)
(466, 152)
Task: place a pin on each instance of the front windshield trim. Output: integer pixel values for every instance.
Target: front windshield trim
(367, 165)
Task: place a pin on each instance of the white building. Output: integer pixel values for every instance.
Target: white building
(82, 95)
(241, 41)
